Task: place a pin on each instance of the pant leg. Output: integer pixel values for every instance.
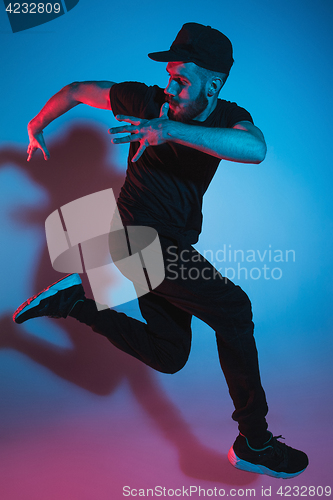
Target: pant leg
(192, 286)
(195, 286)
(163, 342)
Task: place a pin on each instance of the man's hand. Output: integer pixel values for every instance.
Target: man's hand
(147, 132)
(36, 142)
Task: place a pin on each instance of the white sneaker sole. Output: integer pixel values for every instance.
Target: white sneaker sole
(257, 468)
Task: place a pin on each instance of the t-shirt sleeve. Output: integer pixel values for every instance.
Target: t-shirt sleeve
(235, 114)
(134, 99)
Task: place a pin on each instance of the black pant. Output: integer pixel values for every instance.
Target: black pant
(192, 286)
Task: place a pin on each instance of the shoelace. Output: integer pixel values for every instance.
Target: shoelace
(280, 449)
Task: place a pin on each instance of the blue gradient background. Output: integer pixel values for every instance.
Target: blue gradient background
(80, 420)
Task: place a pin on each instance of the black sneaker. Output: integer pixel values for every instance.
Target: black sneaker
(274, 459)
(56, 301)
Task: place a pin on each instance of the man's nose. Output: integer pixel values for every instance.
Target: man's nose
(171, 88)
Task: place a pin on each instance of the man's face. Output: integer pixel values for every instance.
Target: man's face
(185, 92)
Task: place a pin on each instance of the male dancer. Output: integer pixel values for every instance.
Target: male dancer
(177, 138)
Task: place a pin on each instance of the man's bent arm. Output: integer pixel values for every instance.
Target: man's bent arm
(96, 94)
(243, 143)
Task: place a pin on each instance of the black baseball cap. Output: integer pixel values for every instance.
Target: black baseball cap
(202, 45)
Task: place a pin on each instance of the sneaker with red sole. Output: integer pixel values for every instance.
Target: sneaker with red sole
(56, 301)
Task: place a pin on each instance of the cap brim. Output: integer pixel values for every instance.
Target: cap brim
(166, 56)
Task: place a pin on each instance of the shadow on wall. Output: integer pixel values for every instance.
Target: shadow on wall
(80, 165)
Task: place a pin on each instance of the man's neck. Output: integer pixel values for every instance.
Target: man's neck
(205, 114)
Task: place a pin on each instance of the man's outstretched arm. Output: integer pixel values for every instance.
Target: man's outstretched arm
(96, 94)
(243, 143)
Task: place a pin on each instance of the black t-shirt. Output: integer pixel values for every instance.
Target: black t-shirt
(165, 187)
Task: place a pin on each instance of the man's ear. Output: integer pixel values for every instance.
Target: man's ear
(215, 86)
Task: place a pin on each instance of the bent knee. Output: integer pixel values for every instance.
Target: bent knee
(174, 365)
(171, 370)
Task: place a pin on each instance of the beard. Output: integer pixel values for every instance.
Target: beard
(192, 110)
